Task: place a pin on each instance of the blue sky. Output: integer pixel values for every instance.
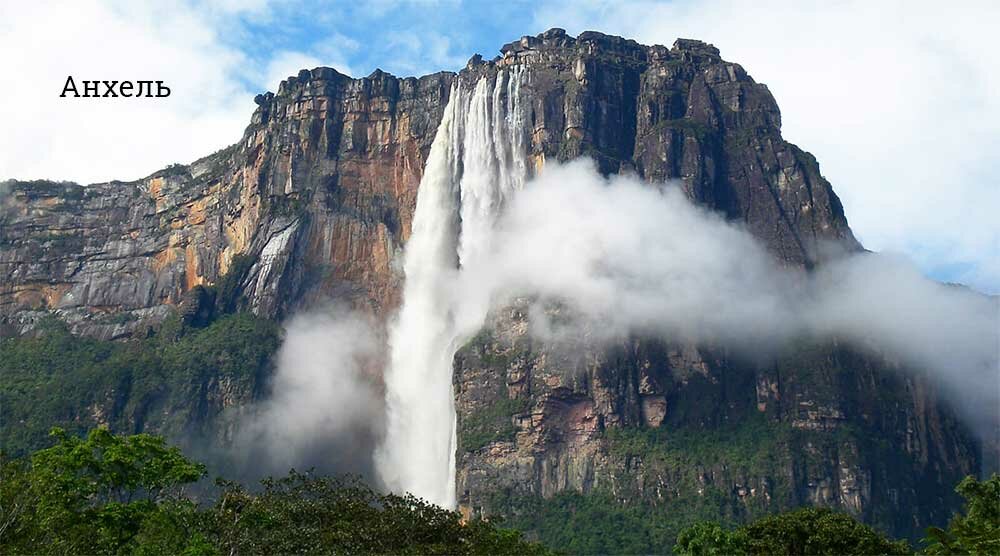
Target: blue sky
(403, 39)
(896, 99)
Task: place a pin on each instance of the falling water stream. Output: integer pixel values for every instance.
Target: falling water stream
(477, 161)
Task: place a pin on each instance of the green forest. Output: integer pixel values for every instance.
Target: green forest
(131, 494)
(155, 383)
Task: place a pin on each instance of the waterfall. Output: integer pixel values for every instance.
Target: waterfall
(477, 161)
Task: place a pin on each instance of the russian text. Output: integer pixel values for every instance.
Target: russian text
(115, 89)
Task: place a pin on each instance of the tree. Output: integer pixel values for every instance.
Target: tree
(978, 530)
(108, 494)
(17, 502)
(307, 514)
(804, 531)
(90, 495)
(709, 539)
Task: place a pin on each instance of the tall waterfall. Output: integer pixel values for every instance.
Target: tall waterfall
(477, 161)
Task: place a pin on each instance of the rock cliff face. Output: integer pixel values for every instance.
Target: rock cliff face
(681, 113)
(817, 423)
(316, 200)
(687, 431)
(318, 194)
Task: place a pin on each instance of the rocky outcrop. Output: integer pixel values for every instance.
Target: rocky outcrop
(319, 193)
(680, 113)
(316, 199)
(670, 426)
(686, 431)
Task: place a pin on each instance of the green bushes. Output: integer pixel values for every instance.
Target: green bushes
(803, 531)
(587, 524)
(108, 494)
(492, 423)
(600, 524)
(977, 531)
(92, 495)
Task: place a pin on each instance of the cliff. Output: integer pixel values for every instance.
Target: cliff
(674, 429)
(684, 432)
(316, 201)
(319, 193)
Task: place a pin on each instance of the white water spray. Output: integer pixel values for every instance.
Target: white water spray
(477, 161)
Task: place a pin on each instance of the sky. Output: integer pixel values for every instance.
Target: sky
(899, 101)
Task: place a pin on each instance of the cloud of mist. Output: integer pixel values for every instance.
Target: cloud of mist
(896, 99)
(628, 257)
(324, 409)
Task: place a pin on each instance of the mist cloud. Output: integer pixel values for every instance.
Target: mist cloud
(324, 409)
(896, 99)
(629, 257)
(625, 257)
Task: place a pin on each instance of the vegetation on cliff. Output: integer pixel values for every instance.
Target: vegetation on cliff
(172, 383)
(821, 531)
(491, 424)
(598, 524)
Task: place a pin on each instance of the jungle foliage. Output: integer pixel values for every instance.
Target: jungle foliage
(110, 494)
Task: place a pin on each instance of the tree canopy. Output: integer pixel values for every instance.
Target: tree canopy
(806, 531)
(977, 530)
(110, 494)
(126, 494)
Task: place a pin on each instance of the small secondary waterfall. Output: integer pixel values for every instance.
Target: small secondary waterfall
(477, 161)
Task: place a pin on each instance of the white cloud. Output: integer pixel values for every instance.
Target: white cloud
(421, 53)
(88, 139)
(627, 258)
(205, 51)
(331, 52)
(285, 64)
(323, 408)
(896, 99)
